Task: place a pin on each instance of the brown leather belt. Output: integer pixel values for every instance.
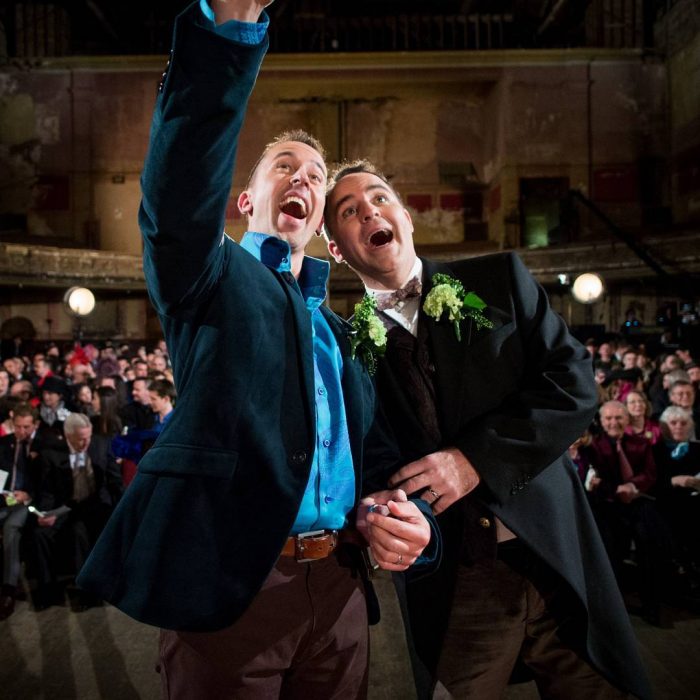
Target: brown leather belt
(318, 544)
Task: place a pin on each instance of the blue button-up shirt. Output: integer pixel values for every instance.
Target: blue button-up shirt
(330, 492)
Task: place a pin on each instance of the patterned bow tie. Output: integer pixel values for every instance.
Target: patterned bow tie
(396, 300)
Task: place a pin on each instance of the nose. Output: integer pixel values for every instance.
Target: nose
(368, 211)
(299, 177)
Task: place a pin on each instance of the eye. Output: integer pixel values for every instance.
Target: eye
(348, 211)
(282, 165)
(315, 177)
(381, 199)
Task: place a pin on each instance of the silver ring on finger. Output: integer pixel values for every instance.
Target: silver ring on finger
(434, 493)
(399, 560)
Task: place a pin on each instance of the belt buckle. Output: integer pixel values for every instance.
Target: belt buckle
(311, 534)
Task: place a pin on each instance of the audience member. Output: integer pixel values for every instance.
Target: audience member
(80, 485)
(4, 382)
(625, 472)
(682, 393)
(678, 481)
(138, 413)
(162, 394)
(19, 480)
(640, 422)
(82, 399)
(106, 420)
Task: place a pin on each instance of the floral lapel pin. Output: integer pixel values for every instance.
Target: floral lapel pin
(368, 339)
(448, 296)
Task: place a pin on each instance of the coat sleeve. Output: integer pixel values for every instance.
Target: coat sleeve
(552, 404)
(186, 179)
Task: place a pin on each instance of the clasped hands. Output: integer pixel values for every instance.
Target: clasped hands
(398, 537)
(395, 529)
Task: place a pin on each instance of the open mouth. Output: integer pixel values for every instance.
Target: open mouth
(381, 238)
(294, 207)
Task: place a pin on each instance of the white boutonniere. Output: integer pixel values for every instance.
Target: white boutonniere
(368, 339)
(448, 296)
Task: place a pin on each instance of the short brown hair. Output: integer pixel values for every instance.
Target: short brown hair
(352, 167)
(22, 410)
(298, 135)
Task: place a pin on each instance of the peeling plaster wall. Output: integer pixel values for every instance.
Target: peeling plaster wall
(501, 124)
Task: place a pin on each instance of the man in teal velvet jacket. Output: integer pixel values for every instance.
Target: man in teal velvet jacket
(209, 541)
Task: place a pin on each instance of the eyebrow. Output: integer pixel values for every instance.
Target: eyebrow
(291, 154)
(350, 195)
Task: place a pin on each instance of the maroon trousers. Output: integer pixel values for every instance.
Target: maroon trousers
(304, 635)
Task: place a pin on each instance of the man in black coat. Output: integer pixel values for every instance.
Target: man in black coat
(483, 377)
(80, 486)
(19, 459)
(233, 534)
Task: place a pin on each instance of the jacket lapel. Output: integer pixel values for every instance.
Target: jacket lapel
(455, 359)
(305, 348)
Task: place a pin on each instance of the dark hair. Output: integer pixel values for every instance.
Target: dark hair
(163, 388)
(8, 404)
(107, 422)
(352, 167)
(298, 135)
(22, 409)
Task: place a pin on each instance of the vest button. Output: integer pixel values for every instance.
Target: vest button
(484, 522)
(299, 457)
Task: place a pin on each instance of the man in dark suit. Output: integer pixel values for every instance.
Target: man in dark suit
(19, 459)
(492, 388)
(233, 536)
(80, 486)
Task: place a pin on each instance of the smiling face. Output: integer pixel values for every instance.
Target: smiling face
(371, 230)
(636, 405)
(614, 419)
(286, 194)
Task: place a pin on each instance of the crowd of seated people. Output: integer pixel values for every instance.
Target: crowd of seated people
(64, 421)
(640, 466)
(74, 425)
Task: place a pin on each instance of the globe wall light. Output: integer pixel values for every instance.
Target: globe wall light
(79, 301)
(587, 288)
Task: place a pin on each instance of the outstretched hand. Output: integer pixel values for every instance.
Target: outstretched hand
(444, 477)
(394, 527)
(241, 10)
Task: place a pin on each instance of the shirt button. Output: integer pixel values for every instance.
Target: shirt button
(284, 261)
(321, 391)
(484, 522)
(328, 499)
(326, 443)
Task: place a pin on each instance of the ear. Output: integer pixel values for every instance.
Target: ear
(245, 203)
(319, 228)
(333, 250)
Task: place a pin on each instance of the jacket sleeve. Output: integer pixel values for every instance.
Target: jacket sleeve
(552, 404)
(186, 179)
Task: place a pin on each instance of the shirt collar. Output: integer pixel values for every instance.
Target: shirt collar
(275, 253)
(416, 271)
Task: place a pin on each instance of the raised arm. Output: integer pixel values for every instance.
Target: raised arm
(186, 179)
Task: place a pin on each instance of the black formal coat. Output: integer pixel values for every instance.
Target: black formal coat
(213, 502)
(8, 444)
(56, 481)
(512, 399)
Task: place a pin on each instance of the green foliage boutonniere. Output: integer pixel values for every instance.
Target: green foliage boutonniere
(368, 340)
(448, 296)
